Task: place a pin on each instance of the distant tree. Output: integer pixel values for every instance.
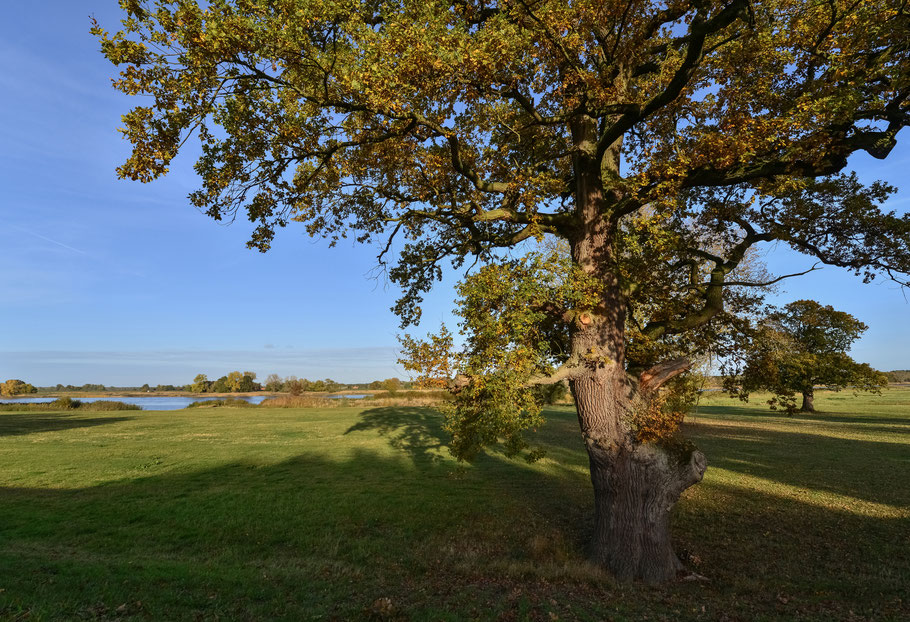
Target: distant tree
(797, 348)
(221, 385)
(14, 386)
(899, 375)
(293, 386)
(273, 383)
(234, 381)
(551, 393)
(200, 384)
(145, 388)
(248, 382)
(392, 385)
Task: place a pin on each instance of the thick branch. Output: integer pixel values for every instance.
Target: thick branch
(700, 30)
(569, 370)
(713, 290)
(652, 379)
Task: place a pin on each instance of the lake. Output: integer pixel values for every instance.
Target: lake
(157, 402)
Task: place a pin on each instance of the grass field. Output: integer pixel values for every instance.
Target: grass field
(351, 513)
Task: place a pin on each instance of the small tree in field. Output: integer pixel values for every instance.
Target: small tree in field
(661, 141)
(803, 345)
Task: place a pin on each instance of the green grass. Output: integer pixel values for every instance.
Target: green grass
(360, 513)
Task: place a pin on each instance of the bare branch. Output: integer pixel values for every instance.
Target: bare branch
(651, 379)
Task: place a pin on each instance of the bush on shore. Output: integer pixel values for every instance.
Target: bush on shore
(233, 402)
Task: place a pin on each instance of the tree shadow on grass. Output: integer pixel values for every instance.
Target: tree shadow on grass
(16, 424)
(556, 490)
(807, 459)
(418, 432)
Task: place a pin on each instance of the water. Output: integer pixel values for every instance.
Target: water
(157, 402)
(347, 397)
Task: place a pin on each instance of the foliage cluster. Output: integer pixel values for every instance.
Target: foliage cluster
(14, 386)
(659, 419)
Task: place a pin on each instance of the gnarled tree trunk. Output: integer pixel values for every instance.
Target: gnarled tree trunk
(635, 484)
(808, 401)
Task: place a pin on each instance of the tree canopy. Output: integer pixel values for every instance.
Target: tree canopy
(662, 141)
(798, 347)
(14, 386)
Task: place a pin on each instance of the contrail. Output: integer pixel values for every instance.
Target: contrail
(47, 239)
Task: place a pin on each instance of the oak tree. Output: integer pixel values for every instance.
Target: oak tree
(661, 140)
(797, 348)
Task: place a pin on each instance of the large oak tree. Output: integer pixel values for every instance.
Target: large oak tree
(661, 140)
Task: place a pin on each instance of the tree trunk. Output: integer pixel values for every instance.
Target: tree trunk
(808, 401)
(635, 484)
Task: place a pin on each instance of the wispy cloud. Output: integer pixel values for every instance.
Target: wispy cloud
(47, 239)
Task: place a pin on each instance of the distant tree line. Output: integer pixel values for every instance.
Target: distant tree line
(296, 386)
(234, 382)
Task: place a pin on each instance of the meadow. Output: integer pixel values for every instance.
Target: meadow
(361, 513)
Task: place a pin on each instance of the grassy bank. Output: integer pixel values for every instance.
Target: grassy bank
(360, 513)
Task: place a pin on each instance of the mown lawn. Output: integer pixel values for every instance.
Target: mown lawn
(349, 513)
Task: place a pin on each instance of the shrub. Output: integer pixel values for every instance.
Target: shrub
(104, 405)
(232, 402)
(300, 401)
(66, 403)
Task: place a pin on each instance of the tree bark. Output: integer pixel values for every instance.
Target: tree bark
(808, 401)
(635, 484)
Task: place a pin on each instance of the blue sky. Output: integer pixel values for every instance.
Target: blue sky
(123, 283)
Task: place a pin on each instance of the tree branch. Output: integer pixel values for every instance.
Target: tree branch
(567, 371)
(652, 379)
(700, 30)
